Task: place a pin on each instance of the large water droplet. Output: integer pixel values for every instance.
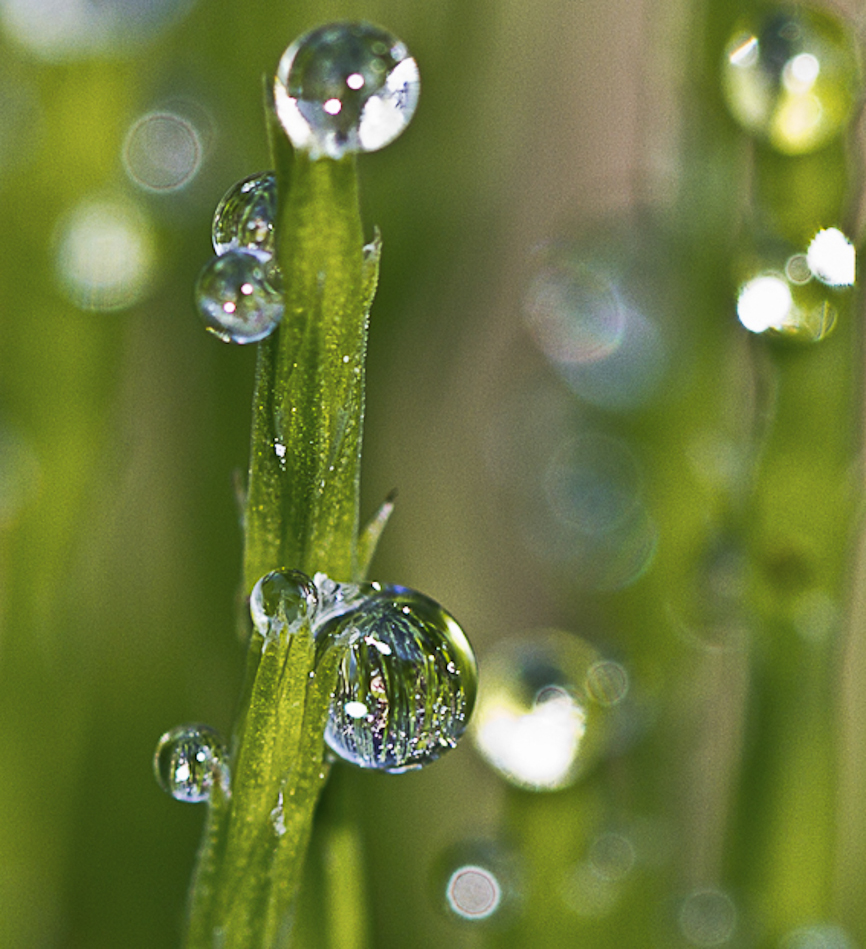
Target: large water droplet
(406, 684)
(237, 297)
(537, 722)
(189, 761)
(245, 216)
(280, 601)
(345, 87)
(792, 78)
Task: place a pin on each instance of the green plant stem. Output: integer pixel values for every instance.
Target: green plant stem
(301, 513)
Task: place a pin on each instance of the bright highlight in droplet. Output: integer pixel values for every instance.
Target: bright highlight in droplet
(537, 748)
(764, 303)
(355, 81)
(333, 106)
(832, 258)
(745, 54)
(800, 73)
(355, 709)
(473, 892)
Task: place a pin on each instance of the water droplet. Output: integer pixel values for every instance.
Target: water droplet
(792, 78)
(708, 918)
(245, 216)
(105, 254)
(400, 643)
(238, 296)
(612, 856)
(162, 152)
(345, 87)
(478, 879)
(69, 30)
(536, 724)
(189, 761)
(281, 600)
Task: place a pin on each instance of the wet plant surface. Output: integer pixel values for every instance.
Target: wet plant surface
(609, 276)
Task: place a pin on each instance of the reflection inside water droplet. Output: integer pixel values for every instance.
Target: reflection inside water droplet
(190, 760)
(406, 683)
(345, 87)
(245, 216)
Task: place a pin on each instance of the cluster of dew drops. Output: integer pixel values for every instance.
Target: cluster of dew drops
(340, 89)
(407, 677)
(406, 681)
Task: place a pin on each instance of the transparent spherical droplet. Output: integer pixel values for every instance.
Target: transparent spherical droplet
(245, 216)
(536, 722)
(792, 77)
(280, 601)
(238, 296)
(406, 684)
(189, 761)
(345, 87)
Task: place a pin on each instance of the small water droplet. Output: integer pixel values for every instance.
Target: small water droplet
(245, 216)
(280, 602)
(189, 761)
(396, 668)
(345, 87)
(792, 78)
(238, 296)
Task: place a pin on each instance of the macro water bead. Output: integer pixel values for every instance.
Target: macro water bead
(189, 761)
(236, 296)
(245, 217)
(281, 601)
(406, 683)
(344, 88)
(792, 77)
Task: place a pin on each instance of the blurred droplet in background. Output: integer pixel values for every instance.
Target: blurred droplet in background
(535, 722)
(105, 254)
(792, 77)
(59, 30)
(708, 917)
(818, 937)
(478, 881)
(832, 258)
(162, 152)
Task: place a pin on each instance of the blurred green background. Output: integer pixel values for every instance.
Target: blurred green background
(123, 427)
